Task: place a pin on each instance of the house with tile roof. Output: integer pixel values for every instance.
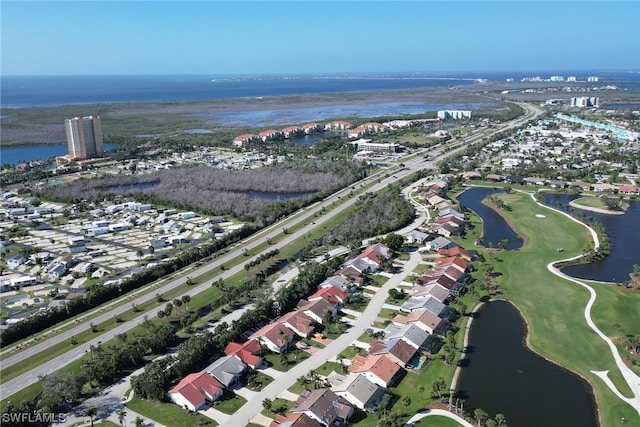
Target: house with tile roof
(396, 350)
(294, 420)
(317, 309)
(227, 370)
(248, 353)
(423, 319)
(436, 290)
(298, 322)
(331, 294)
(195, 390)
(456, 261)
(269, 135)
(456, 251)
(275, 336)
(358, 390)
(338, 125)
(324, 406)
(379, 369)
(312, 127)
(243, 139)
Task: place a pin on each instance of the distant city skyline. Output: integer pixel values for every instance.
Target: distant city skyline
(267, 37)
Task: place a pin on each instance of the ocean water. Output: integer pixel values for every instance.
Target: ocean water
(29, 91)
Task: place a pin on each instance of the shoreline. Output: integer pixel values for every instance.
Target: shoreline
(599, 210)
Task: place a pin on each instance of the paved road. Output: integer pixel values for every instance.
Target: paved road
(441, 412)
(307, 215)
(364, 321)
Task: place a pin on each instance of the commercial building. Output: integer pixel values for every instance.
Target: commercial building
(84, 137)
(584, 101)
(454, 114)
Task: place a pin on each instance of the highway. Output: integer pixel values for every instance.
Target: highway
(307, 215)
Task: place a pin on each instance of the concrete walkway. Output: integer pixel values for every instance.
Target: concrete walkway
(282, 383)
(632, 380)
(440, 412)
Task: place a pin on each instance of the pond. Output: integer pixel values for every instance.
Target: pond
(494, 227)
(501, 375)
(624, 235)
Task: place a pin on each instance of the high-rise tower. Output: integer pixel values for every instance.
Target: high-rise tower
(84, 137)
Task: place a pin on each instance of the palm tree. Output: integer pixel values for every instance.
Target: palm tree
(91, 413)
(122, 414)
(406, 401)
(421, 390)
(267, 404)
(480, 415)
(139, 422)
(501, 419)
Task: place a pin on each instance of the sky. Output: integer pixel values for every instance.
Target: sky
(271, 37)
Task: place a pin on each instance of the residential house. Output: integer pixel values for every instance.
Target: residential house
(397, 350)
(423, 319)
(293, 420)
(454, 252)
(358, 390)
(269, 135)
(311, 128)
(324, 406)
(439, 243)
(338, 125)
(15, 261)
(331, 294)
(423, 303)
(195, 390)
(317, 310)
(436, 290)
(298, 322)
(290, 131)
(227, 370)
(416, 236)
(336, 281)
(409, 333)
(351, 274)
(275, 336)
(455, 262)
(359, 266)
(248, 353)
(244, 139)
(379, 369)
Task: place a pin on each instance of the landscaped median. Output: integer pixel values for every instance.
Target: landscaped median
(554, 307)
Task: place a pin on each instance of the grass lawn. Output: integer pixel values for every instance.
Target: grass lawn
(260, 381)
(168, 414)
(229, 403)
(437, 421)
(294, 356)
(278, 406)
(554, 308)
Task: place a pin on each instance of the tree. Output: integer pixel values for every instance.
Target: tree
(91, 413)
(267, 404)
(480, 415)
(139, 422)
(501, 419)
(421, 390)
(122, 414)
(394, 241)
(438, 386)
(406, 401)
